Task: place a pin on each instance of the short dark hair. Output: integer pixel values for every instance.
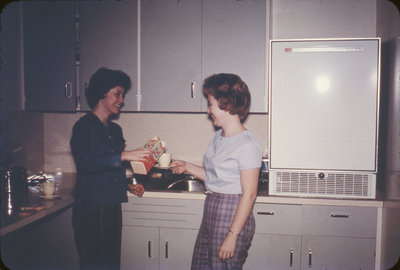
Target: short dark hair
(102, 81)
(230, 91)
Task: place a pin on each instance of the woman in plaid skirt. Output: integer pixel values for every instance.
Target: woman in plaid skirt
(231, 169)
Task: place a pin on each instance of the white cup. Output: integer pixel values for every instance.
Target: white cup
(48, 188)
(165, 159)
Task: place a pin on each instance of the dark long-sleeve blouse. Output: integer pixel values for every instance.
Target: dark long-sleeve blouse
(97, 152)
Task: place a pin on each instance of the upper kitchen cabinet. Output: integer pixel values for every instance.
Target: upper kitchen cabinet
(167, 48)
(324, 19)
(184, 42)
(234, 40)
(108, 38)
(170, 55)
(49, 55)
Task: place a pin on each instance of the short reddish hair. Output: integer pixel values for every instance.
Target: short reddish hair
(231, 93)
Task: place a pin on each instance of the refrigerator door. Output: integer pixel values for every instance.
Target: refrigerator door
(324, 104)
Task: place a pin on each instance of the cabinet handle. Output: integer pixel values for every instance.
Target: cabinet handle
(309, 258)
(334, 215)
(291, 257)
(68, 89)
(78, 102)
(269, 213)
(192, 90)
(166, 250)
(149, 249)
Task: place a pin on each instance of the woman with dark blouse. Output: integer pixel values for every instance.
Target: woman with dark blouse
(98, 148)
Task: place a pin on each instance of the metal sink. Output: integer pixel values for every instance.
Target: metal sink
(187, 184)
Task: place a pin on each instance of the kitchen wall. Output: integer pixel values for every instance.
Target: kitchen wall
(187, 135)
(42, 139)
(21, 140)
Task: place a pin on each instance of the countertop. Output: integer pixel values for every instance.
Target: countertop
(268, 199)
(36, 207)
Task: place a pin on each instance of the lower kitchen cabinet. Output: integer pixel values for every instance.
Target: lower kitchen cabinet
(270, 251)
(277, 240)
(159, 233)
(337, 253)
(176, 248)
(139, 248)
(313, 237)
(157, 248)
(338, 237)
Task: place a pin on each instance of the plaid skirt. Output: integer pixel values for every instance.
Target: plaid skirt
(219, 211)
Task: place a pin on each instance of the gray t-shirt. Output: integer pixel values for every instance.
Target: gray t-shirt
(226, 157)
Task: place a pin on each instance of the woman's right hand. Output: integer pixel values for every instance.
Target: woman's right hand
(178, 166)
(137, 189)
(137, 154)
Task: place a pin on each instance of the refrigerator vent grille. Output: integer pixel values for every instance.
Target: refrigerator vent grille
(331, 185)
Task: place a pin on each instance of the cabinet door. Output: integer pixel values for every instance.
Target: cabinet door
(171, 55)
(139, 248)
(274, 252)
(339, 221)
(234, 40)
(108, 39)
(338, 237)
(277, 241)
(277, 218)
(176, 248)
(49, 55)
(337, 253)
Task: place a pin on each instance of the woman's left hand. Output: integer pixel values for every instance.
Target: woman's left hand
(228, 247)
(137, 189)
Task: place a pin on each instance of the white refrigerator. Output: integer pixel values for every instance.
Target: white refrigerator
(324, 117)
